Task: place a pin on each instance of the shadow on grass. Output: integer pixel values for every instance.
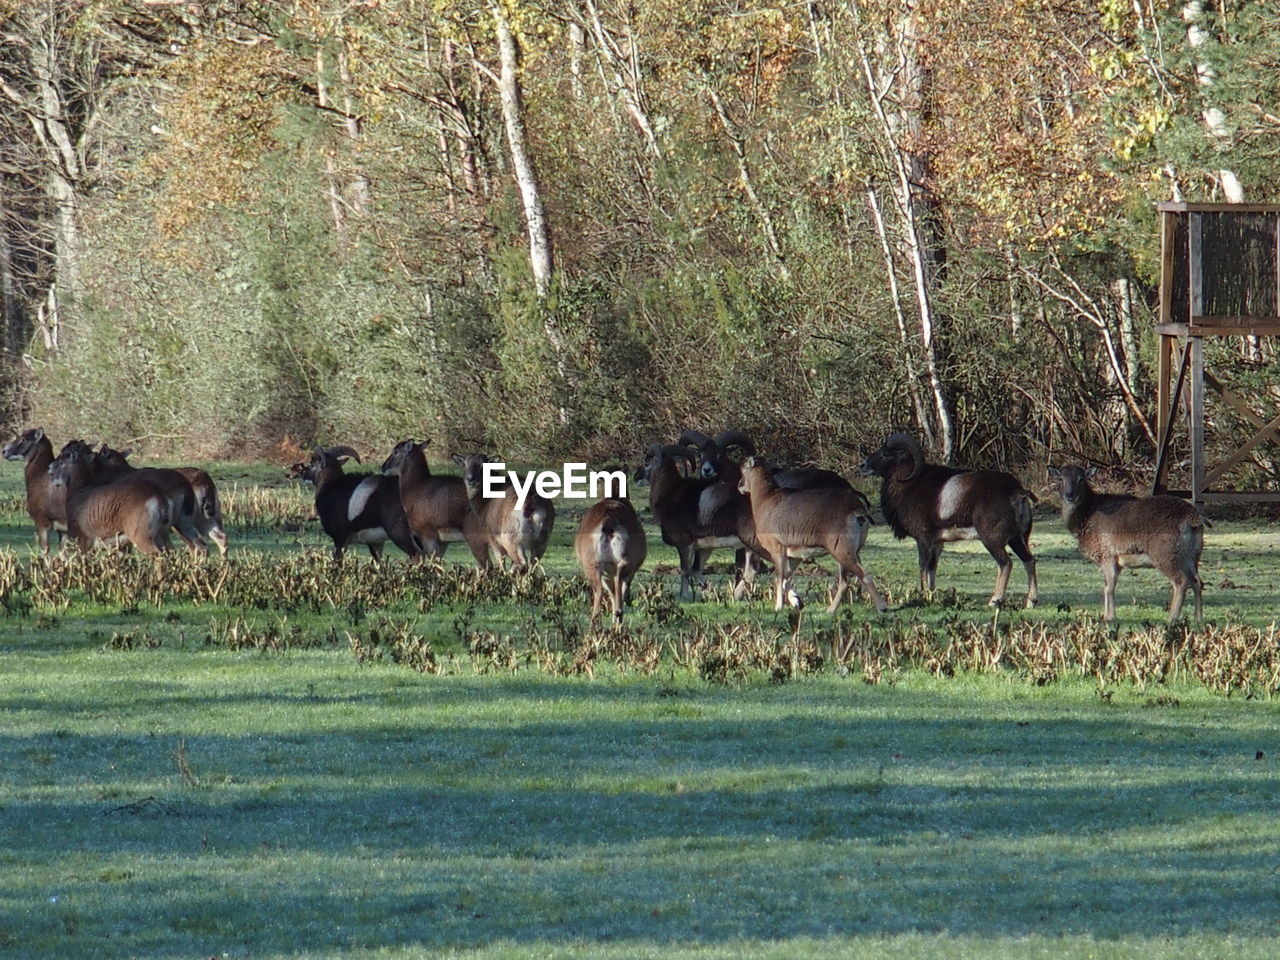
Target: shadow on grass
(891, 812)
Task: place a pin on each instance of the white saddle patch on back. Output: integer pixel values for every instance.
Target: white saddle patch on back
(360, 497)
(949, 498)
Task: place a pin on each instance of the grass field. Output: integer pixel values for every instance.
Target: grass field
(200, 778)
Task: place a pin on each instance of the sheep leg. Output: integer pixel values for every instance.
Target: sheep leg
(375, 551)
(700, 566)
(1110, 574)
(1023, 550)
(929, 554)
(848, 563)
(618, 588)
(1179, 582)
(841, 588)
(781, 580)
(687, 561)
(745, 573)
(785, 567)
(480, 550)
(597, 597)
(219, 538)
(869, 585)
(1002, 574)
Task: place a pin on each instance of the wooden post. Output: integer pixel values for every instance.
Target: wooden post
(1197, 419)
(1195, 304)
(1164, 370)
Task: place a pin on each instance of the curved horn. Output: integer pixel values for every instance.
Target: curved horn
(695, 437)
(736, 438)
(904, 441)
(671, 450)
(340, 452)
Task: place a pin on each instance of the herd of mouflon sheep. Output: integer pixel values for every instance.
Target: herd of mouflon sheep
(705, 493)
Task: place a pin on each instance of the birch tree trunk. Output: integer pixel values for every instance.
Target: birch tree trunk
(1216, 121)
(908, 349)
(332, 191)
(747, 180)
(907, 81)
(360, 189)
(51, 121)
(541, 257)
(624, 80)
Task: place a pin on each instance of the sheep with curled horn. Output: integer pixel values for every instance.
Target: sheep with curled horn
(675, 500)
(357, 508)
(722, 509)
(1118, 531)
(936, 504)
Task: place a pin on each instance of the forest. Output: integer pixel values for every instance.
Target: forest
(562, 229)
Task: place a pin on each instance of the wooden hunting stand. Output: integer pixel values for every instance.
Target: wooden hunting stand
(1219, 277)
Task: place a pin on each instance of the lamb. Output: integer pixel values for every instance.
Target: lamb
(1117, 531)
(496, 526)
(436, 506)
(611, 547)
(795, 525)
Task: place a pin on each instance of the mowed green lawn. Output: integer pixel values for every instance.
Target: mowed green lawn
(187, 800)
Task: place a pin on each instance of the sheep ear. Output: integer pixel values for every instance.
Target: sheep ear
(1090, 472)
(458, 458)
(37, 434)
(1055, 473)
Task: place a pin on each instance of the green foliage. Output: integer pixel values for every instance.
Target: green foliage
(338, 251)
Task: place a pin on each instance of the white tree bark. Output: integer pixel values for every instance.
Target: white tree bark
(63, 152)
(1215, 120)
(908, 348)
(906, 79)
(624, 81)
(541, 257)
